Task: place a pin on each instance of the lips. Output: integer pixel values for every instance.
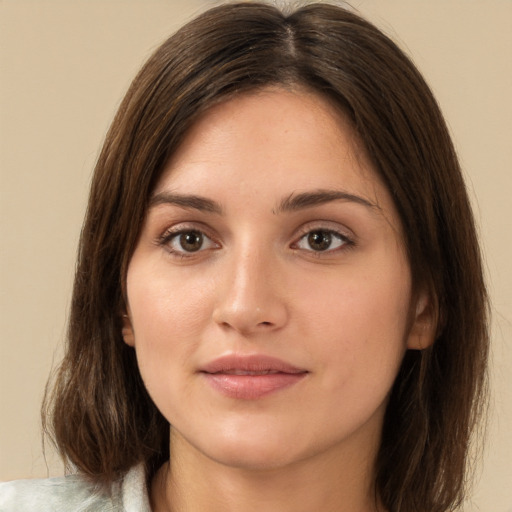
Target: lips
(250, 377)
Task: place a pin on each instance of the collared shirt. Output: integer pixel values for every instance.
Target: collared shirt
(76, 494)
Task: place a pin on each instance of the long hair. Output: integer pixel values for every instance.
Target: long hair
(99, 412)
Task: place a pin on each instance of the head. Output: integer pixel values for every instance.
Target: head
(104, 419)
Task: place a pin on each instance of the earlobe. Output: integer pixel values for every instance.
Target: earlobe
(424, 324)
(127, 331)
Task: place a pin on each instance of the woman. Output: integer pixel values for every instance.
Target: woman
(280, 261)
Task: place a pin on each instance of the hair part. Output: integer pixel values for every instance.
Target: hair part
(100, 415)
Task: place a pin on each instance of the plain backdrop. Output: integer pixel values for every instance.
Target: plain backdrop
(65, 65)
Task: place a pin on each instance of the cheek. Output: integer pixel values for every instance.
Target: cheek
(166, 308)
(360, 321)
(168, 325)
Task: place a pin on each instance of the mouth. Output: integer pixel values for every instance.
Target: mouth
(247, 372)
(250, 377)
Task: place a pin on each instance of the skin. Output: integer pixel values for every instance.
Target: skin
(257, 285)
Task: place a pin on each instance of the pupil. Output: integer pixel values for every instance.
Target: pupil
(191, 241)
(319, 240)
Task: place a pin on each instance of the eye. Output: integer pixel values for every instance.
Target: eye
(188, 241)
(321, 240)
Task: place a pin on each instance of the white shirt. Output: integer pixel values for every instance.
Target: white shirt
(75, 494)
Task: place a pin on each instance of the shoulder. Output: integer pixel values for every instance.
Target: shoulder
(72, 493)
(75, 494)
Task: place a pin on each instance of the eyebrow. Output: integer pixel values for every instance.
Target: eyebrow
(186, 201)
(293, 202)
(303, 200)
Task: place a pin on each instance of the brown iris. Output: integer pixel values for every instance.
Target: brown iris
(191, 241)
(319, 240)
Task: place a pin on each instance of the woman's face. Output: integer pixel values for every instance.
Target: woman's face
(269, 295)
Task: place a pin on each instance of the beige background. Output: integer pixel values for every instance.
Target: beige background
(64, 67)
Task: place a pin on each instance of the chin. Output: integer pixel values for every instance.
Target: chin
(251, 450)
(253, 458)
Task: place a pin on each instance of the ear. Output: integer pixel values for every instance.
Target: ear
(127, 331)
(424, 320)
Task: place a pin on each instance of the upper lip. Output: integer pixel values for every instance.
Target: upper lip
(249, 364)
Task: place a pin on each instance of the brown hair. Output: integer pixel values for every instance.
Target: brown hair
(102, 418)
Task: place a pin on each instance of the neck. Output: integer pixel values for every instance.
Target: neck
(192, 482)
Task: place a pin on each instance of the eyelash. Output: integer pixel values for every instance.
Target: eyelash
(346, 241)
(172, 234)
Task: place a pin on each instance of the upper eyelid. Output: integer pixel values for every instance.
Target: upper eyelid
(333, 231)
(181, 227)
(318, 224)
(166, 239)
(344, 238)
(326, 225)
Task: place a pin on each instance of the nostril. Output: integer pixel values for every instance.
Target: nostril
(244, 318)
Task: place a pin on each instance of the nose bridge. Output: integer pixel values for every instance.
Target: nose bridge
(250, 297)
(250, 268)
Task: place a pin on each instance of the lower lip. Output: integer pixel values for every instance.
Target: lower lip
(252, 387)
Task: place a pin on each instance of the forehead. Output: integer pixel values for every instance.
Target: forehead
(272, 142)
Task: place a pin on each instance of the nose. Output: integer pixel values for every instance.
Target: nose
(251, 296)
